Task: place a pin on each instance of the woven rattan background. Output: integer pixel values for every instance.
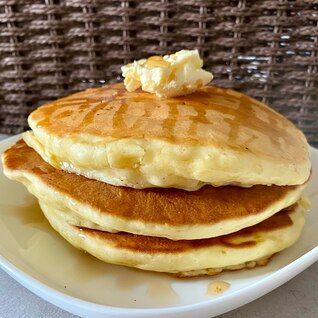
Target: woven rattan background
(266, 48)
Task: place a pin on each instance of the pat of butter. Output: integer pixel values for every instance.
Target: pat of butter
(172, 75)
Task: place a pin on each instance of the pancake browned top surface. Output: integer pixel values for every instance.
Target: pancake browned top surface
(211, 116)
(163, 206)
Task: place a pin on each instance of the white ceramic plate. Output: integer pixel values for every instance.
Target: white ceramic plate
(33, 254)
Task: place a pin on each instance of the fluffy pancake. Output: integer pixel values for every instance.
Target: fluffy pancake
(171, 213)
(242, 249)
(213, 136)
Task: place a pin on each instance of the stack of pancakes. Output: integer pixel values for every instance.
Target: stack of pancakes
(189, 185)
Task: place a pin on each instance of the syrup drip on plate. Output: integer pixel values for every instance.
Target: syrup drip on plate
(56, 263)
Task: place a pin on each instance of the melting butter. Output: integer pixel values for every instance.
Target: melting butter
(171, 75)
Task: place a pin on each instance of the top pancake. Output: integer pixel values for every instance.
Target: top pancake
(213, 136)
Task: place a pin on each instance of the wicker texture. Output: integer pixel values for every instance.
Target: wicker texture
(50, 48)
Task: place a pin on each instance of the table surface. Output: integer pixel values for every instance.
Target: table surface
(296, 298)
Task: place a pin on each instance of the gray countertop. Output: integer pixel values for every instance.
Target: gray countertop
(296, 298)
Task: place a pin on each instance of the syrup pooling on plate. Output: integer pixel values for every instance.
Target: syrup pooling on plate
(217, 287)
(28, 216)
(39, 245)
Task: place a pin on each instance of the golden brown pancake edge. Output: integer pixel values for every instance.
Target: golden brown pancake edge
(175, 207)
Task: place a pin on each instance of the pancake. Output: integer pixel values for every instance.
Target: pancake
(246, 248)
(172, 213)
(214, 136)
